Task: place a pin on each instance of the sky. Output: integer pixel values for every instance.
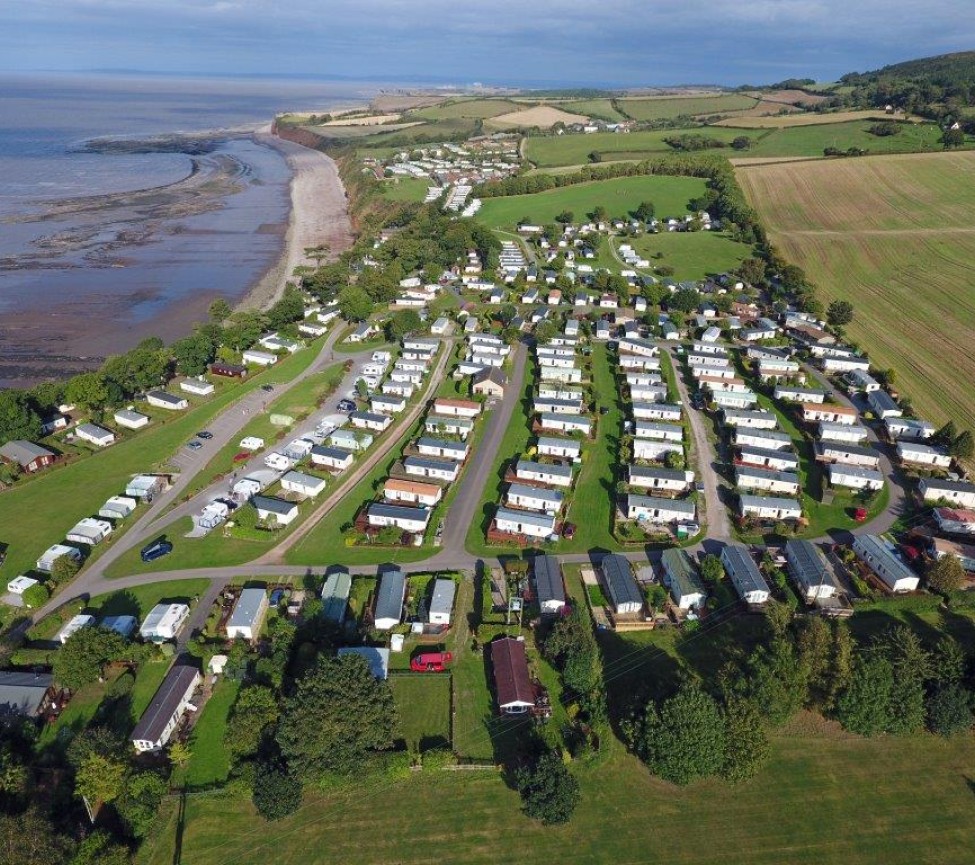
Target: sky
(527, 42)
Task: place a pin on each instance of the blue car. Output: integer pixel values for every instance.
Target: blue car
(156, 550)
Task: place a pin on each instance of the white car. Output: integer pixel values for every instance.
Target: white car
(252, 443)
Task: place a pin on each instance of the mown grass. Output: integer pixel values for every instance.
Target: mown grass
(423, 709)
(693, 255)
(464, 108)
(210, 762)
(406, 188)
(550, 150)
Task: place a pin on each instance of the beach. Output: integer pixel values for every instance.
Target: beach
(319, 216)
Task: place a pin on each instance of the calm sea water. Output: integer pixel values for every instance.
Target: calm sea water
(71, 306)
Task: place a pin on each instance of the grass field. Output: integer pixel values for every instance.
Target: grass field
(665, 107)
(781, 121)
(406, 188)
(465, 108)
(619, 196)
(894, 237)
(423, 707)
(693, 255)
(553, 150)
(210, 763)
(599, 109)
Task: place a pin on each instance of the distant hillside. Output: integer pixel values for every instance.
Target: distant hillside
(942, 69)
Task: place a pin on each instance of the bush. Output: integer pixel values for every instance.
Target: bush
(549, 792)
(36, 596)
(438, 758)
(276, 792)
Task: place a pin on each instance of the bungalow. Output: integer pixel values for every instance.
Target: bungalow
(638, 345)
(364, 330)
(512, 681)
(274, 510)
(768, 439)
(456, 407)
(259, 358)
(533, 525)
(490, 382)
(681, 577)
(658, 431)
(229, 370)
(387, 404)
(853, 455)
(408, 519)
(427, 467)
(923, 455)
(166, 709)
(350, 441)
(75, 624)
(446, 424)
(117, 507)
(248, 614)
(700, 373)
(860, 380)
(335, 596)
(955, 521)
(839, 432)
(549, 586)
(303, 484)
(744, 574)
(834, 414)
(412, 492)
(131, 419)
(434, 447)
(648, 509)
(332, 458)
(164, 622)
(29, 456)
(908, 429)
(854, 477)
(809, 570)
(312, 330)
(749, 478)
(89, 531)
(556, 447)
(557, 406)
(567, 375)
(274, 342)
(566, 423)
(845, 364)
(197, 386)
(651, 449)
(734, 399)
(94, 434)
(656, 411)
(441, 326)
(804, 395)
(553, 475)
(758, 419)
(769, 508)
(370, 420)
(957, 492)
(882, 405)
(534, 498)
(672, 480)
(621, 588)
(881, 557)
(781, 461)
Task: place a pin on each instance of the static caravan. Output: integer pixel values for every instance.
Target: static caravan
(744, 574)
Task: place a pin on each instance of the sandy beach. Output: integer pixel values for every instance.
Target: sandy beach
(319, 215)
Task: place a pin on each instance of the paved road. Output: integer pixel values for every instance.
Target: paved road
(715, 512)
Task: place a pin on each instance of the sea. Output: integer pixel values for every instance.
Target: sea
(62, 307)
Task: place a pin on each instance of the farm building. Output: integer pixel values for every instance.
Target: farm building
(622, 591)
(335, 596)
(166, 709)
(29, 456)
(375, 656)
(745, 575)
(389, 600)
(164, 622)
(442, 602)
(809, 570)
(549, 587)
(248, 615)
(878, 554)
(512, 681)
(681, 577)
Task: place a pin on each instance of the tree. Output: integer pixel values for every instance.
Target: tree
(549, 792)
(18, 420)
(839, 313)
(507, 313)
(139, 802)
(949, 710)
(685, 300)
(571, 647)
(776, 681)
(963, 447)
(599, 213)
(220, 310)
(912, 668)
(945, 575)
(100, 778)
(684, 739)
(952, 138)
(100, 849)
(64, 569)
(741, 142)
(193, 353)
(254, 712)
(354, 303)
(36, 596)
(746, 743)
(277, 793)
(13, 772)
(644, 211)
(712, 570)
(81, 659)
(30, 838)
(289, 309)
(814, 645)
(402, 323)
(87, 390)
(545, 331)
(947, 434)
(338, 713)
(752, 271)
(565, 217)
(948, 662)
(180, 754)
(864, 707)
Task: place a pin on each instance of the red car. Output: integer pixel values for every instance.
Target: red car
(860, 515)
(431, 662)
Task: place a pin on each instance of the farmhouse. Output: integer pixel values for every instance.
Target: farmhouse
(841, 432)
(750, 419)
(512, 681)
(882, 405)
(524, 523)
(446, 425)
(745, 575)
(549, 587)
(854, 455)
(534, 498)
(658, 431)
(681, 577)
(769, 508)
(809, 570)
(335, 596)
(248, 615)
(442, 602)
(749, 478)
(332, 458)
(166, 400)
(433, 447)
(955, 521)
(854, 477)
(881, 557)
(542, 473)
(456, 407)
(259, 358)
(166, 709)
(89, 531)
(566, 423)
(164, 622)
(197, 386)
(923, 455)
(621, 589)
(274, 510)
(304, 484)
(412, 492)
(29, 456)
(389, 600)
(957, 492)
(658, 511)
(131, 419)
(408, 519)
(94, 434)
(428, 467)
(557, 447)
(835, 414)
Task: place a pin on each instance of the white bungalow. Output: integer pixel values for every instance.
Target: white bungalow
(528, 523)
(658, 511)
(131, 419)
(259, 358)
(303, 484)
(534, 498)
(923, 455)
(854, 477)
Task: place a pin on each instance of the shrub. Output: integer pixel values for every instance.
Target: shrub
(276, 792)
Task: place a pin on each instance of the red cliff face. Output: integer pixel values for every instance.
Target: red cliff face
(298, 136)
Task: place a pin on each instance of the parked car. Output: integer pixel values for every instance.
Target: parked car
(206, 435)
(860, 514)
(267, 388)
(194, 445)
(346, 405)
(431, 662)
(156, 550)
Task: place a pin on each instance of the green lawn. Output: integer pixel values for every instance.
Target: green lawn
(423, 708)
(660, 108)
(44, 509)
(693, 255)
(147, 682)
(406, 188)
(670, 196)
(210, 763)
(550, 150)
(465, 108)
(599, 109)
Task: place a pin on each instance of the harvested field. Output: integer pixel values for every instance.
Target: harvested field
(543, 116)
(475, 109)
(746, 161)
(661, 107)
(367, 120)
(792, 96)
(894, 236)
(604, 109)
(395, 102)
(799, 119)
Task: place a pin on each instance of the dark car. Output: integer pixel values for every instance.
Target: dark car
(346, 405)
(569, 531)
(156, 550)
(206, 435)
(194, 445)
(267, 387)
(276, 597)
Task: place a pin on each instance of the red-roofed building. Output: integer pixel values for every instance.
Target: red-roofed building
(955, 521)
(512, 682)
